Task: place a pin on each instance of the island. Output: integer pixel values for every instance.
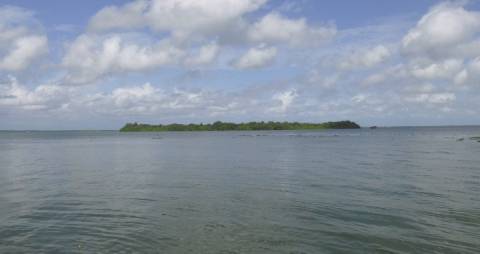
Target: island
(249, 126)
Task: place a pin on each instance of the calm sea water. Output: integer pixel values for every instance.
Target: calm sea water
(392, 190)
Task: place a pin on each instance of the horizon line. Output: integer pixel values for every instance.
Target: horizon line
(361, 127)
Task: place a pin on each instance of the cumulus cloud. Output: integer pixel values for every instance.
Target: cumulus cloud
(443, 31)
(90, 57)
(180, 17)
(445, 45)
(461, 77)
(433, 98)
(365, 58)
(43, 97)
(23, 52)
(322, 80)
(139, 100)
(470, 74)
(181, 33)
(132, 16)
(145, 99)
(284, 100)
(434, 69)
(205, 55)
(256, 58)
(20, 40)
(275, 28)
(443, 69)
(224, 19)
(149, 100)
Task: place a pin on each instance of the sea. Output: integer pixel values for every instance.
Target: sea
(385, 190)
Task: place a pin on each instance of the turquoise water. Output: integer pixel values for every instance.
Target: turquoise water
(392, 190)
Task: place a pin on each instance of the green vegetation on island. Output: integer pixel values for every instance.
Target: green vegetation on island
(250, 126)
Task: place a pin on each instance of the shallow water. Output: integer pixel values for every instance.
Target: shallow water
(392, 190)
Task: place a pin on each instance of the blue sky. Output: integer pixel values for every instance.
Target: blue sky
(99, 64)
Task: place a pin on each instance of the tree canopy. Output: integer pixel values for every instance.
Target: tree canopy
(249, 126)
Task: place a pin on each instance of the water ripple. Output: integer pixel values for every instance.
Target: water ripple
(392, 190)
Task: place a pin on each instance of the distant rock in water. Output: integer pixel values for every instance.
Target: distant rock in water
(475, 139)
(250, 126)
(460, 139)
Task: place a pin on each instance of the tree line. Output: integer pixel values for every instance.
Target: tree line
(248, 126)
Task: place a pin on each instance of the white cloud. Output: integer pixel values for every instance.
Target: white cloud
(474, 66)
(461, 77)
(150, 100)
(90, 57)
(187, 20)
(388, 75)
(322, 80)
(182, 33)
(21, 41)
(24, 51)
(445, 45)
(443, 69)
(359, 98)
(374, 78)
(422, 88)
(43, 97)
(285, 99)
(366, 58)
(205, 55)
(143, 99)
(132, 16)
(419, 75)
(275, 28)
(256, 58)
(433, 98)
(470, 74)
(183, 18)
(442, 31)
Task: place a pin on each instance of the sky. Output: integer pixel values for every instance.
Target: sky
(100, 64)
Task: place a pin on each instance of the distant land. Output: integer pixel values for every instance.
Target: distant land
(250, 126)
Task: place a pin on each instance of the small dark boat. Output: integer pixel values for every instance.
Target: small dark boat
(373, 127)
